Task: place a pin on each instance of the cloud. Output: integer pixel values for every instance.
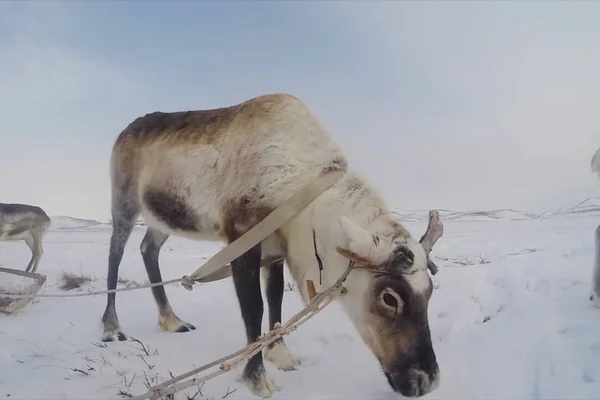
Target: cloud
(56, 103)
(440, 104)
(491, 105)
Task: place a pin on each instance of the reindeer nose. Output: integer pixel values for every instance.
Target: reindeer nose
(415, 383)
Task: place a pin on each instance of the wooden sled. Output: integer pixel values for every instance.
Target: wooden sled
(16, 282)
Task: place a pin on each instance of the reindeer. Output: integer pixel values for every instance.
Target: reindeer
(28, 223)
(595, 291)
(214, 174)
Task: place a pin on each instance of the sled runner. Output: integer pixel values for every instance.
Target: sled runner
(16, 282)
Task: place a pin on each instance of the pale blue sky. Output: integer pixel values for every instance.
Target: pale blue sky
(442, 104)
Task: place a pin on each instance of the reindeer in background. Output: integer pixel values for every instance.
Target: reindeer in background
(595, 292)
(28, 223)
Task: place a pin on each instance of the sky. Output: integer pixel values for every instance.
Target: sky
(439, 104)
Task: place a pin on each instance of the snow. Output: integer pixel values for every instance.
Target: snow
(510, 318)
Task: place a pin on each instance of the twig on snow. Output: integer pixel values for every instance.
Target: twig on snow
(125, 394)
(198, 392)
(144, 349)
(79, 370)
(228, 392)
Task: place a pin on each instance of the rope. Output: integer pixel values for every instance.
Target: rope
(21, 296)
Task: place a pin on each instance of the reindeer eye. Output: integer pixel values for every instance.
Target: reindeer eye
(390, 300)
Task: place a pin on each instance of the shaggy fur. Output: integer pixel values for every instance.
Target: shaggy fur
(213, 174)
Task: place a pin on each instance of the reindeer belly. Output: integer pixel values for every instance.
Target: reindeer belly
(15, 231)
(175, 207)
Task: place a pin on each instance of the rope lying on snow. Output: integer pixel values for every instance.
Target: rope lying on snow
(316, 305)
(94, 293)
(186, 281)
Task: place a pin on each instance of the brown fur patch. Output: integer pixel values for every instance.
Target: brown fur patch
(201, 126)
(171, 209)
(399, 231)
(240, 215)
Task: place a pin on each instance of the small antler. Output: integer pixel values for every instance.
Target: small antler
(435, 230)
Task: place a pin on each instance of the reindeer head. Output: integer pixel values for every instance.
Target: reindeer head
(387, 299)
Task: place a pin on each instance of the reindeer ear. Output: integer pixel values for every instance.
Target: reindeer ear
(361, 242)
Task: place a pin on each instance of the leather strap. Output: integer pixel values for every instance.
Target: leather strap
(282, 214)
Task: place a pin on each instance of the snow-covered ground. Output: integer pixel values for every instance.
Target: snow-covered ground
(510, 318)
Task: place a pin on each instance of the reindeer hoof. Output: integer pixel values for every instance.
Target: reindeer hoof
(280, 356)
(185, 327)
(114, 336)
(260, 385)
(171, 323)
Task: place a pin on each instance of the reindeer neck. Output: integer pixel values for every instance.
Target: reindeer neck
(312, 238)
(351, 198)
(354, 198)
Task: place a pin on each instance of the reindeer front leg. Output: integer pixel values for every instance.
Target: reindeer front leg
(277, 352)
(34, 241)
(245, 271)
(32, 246)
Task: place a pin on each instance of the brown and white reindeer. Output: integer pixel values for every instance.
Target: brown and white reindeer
(28, 223)
(595, 290)
(214, 174)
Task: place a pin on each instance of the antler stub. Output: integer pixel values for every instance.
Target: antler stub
(435, 230)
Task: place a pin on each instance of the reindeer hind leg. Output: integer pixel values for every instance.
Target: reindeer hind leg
(124, 216)
(150, 248)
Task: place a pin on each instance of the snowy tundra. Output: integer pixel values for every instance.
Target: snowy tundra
(510, 318)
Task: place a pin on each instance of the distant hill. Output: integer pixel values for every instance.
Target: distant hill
(589, 206)
(64, 222)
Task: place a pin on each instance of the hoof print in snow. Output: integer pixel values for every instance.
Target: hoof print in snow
(494, 315)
